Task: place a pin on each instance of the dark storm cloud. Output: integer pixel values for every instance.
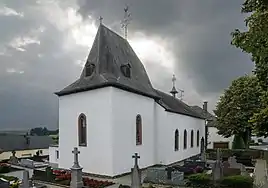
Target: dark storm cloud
(200, 31)
(26, 98)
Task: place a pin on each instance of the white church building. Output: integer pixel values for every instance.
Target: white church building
(113, 111)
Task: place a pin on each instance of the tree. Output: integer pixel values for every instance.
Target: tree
(236, 106)
(255, 42)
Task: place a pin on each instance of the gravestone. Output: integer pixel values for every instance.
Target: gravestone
(76, 172)
(159, 175)
(233, 163)
(136, 173)
(217, 169)
(202, 150)
(169, 172)
(231, 167)
(13, 159)
(27, 163)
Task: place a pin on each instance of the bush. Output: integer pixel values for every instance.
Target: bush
(4, 169)
(238, 143)
(9, 178)
(199, 180)
(237, 182)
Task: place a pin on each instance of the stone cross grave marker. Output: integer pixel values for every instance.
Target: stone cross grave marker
(136, 157)
(136, 174)
(26, 179)
(217, 167)
(76, 171)
(76, 163)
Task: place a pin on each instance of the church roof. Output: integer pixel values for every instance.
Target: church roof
(112, 62)
(211, 118)
(173, 104)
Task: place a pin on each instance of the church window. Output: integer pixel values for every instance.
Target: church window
(185, 139)
(176, 140)
(82, 130)
(57, 154)
(90, 68)
(138, 130)
(197, 138)
(192, 138)
(125, 69)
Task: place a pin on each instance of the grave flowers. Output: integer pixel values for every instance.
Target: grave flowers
(65, 176)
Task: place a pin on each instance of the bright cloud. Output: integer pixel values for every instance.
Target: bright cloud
(20, 42)
(153, 50)
(6, 11)
(14, 71)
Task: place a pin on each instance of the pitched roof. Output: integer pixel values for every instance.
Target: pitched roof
(172, 104)
(211, 118)
(10, 142)
(108, 54)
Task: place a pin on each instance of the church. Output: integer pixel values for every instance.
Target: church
(112, 111)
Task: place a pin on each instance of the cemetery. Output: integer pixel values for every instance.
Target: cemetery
(219, 168)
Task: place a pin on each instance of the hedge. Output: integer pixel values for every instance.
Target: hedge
(237, 182)
(212, 153)
(199, 180)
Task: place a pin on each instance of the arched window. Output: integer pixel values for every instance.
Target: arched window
(197, 138)
(82, 130)
(138, 130)
(192, 138)
(176, 140)
(185, 139)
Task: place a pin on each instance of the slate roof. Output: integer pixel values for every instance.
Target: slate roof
(10, 142)
(108, 53)
(211, 118)
(173, 104)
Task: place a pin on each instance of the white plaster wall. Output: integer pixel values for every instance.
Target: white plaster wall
(213, 136)
(125, 107)
(52, 154)
(167, 123)
(96, 105)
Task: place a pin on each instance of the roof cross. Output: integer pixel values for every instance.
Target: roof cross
(100, 19)
(174, 80)
(126, 20)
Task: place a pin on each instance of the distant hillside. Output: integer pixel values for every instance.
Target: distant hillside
(14, 132)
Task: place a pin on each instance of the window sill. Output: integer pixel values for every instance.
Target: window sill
(83, 145)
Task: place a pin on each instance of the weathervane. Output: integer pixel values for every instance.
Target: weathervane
(174, 90)
(126, 20)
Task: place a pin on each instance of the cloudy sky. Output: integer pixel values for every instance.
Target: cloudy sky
(44, 43)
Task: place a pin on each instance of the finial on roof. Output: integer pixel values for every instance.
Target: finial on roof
(173, 90)
(126, 20)
(100, 19)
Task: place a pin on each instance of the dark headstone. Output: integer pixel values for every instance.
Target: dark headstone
(169, 173)
(158, 175)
